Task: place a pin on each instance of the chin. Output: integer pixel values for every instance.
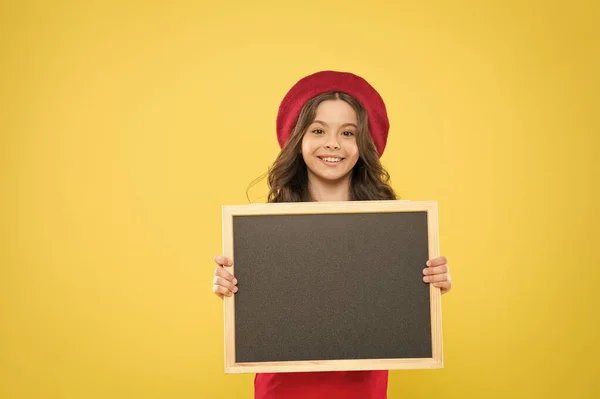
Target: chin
(332, 178)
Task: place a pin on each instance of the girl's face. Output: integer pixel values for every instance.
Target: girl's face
(329, 145)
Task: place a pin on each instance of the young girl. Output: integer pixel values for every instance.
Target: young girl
(332, 127)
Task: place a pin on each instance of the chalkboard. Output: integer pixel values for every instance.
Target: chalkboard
(329, 286)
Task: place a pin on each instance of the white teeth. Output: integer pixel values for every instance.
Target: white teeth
(329, 159)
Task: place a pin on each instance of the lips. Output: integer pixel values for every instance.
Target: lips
(331, 160)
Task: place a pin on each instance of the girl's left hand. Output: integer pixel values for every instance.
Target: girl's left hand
(438, 273)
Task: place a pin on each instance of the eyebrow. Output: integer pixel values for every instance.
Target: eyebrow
(343, 125)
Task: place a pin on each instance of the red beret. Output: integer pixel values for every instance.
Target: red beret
(326, 81)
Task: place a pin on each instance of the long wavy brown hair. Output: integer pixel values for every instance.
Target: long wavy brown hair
(288, 175)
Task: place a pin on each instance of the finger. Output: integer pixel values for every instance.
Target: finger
(222, 260)
(441, 260)
(221, 272)
(436, 270)
(221, 291)
(436, 278)
(225, 283)
(444, 285)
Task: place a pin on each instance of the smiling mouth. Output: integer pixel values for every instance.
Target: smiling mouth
(331, 159)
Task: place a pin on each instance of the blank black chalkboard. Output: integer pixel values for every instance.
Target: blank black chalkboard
(331, 286)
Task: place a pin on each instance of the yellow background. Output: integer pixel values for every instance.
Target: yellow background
(125, 126)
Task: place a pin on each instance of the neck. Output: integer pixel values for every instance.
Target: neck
(329, 191)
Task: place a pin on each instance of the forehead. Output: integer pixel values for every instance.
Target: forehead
(335, 111)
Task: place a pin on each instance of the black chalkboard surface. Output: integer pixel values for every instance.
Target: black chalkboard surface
(331, 286)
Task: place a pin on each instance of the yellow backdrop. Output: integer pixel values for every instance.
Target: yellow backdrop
(127, 125)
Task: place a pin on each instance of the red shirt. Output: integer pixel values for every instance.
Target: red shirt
(322, 385)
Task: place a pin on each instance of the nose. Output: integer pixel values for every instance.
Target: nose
(331, 143)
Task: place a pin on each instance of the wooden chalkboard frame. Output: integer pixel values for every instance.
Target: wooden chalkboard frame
(346, 207)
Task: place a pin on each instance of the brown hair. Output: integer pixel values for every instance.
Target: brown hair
(288, 176)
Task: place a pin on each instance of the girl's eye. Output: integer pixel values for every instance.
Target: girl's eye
(348, 133)
(318, 131)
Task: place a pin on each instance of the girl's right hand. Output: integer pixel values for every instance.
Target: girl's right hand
(224, 284)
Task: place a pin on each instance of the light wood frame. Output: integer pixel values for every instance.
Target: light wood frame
(436, 361)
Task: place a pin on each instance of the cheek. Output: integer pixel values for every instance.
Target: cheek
(352, 150)
(353, 154)
(304, 147)
(308, 145)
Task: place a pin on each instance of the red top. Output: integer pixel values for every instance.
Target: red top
(325, 385)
